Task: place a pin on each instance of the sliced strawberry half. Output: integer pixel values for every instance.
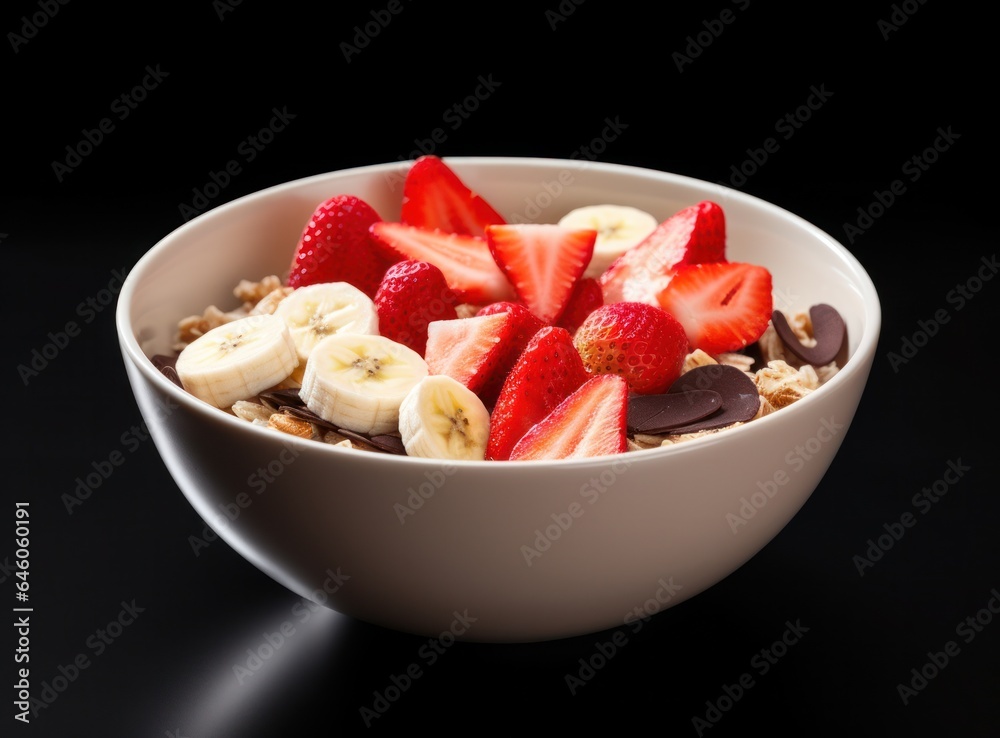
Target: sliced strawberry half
(590, 422)
(548, 371)
(722, 306)
(472, 350)
(585, 299)
(466, 261)
(543, 262)
(693, 235)
(435, 197)
(523, 326)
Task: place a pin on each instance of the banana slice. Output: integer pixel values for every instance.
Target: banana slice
(237, 360)
(441, 418)
(619, 228)
(358, 381)
(320, 310)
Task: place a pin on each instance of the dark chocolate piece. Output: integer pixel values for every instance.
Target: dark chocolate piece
(829, 330)
(383, 442)
(740, 399)
(388, 442)
(278, 399)
(303, 413)
(660, 413)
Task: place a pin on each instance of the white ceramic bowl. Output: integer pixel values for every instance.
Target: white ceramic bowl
(492, 551)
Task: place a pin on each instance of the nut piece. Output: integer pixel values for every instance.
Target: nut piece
(195, 326)
(252, 411)
(781, 384)
(695, 359)
(250, 293)
(292, 426)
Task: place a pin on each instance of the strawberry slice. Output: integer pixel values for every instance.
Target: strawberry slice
(466, 261)
(523, 327)
(693, 235)
(545, 373)
(722, 306)
(336, 246)
(590, 422)
(435, 197)
(585, 299)
(543, 261)
(472, 350)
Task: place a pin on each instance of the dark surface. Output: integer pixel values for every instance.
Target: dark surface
(889, 95)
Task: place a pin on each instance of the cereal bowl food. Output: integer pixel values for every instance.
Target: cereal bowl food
(507, 398)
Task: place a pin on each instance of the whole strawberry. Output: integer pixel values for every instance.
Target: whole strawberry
(336, 246)
(412, 294)
(644, 344)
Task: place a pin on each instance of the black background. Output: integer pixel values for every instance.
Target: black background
(558, 78)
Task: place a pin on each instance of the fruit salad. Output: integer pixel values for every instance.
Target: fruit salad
(452, 334)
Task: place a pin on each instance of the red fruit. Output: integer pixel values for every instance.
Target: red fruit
(585, 299)
(590, 422)
(643, 344)
(723, 307)
(471, 350)
(546, 372)
(693, 235)
(543, 261)
(466, 261)
(411, 295)
(336, 246)
(523, 327)
(435, 197)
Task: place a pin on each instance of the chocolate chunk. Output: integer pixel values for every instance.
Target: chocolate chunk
(829, 330)
(740, 399)
(660, 413)
(383, 442)
(304, 413)
(278, 399)
(388, 442)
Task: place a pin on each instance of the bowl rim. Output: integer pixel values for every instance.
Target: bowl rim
(860, 279)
